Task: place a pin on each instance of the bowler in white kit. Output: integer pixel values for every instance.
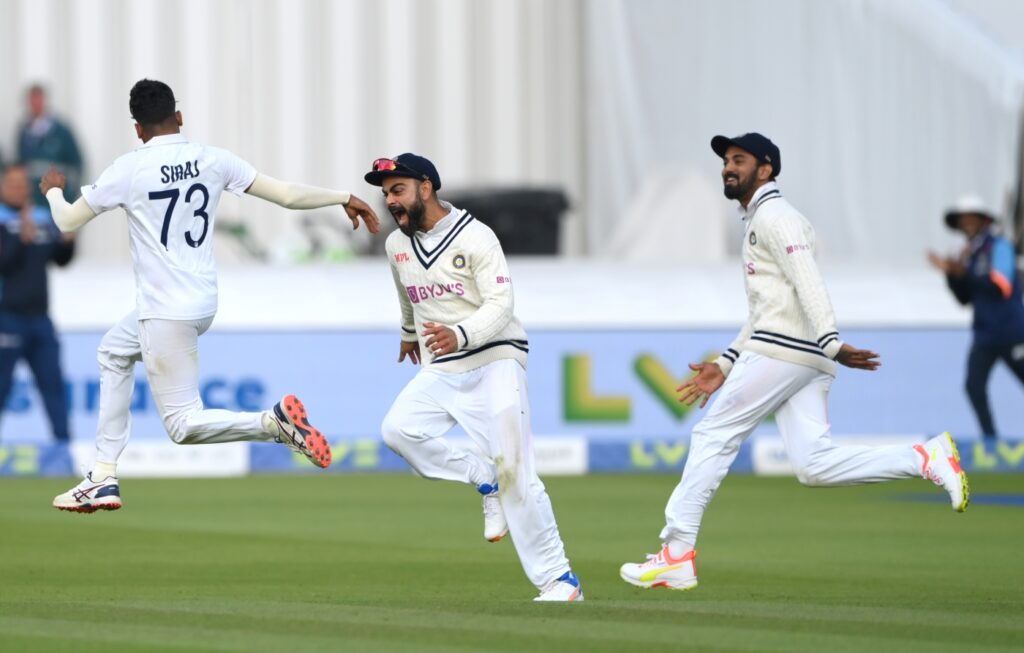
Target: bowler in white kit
(782, 362)
(456, 297)
(170, 189)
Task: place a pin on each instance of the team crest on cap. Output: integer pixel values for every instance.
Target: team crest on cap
(459, 262)
(753, 238)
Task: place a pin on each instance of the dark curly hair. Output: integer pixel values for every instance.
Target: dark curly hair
(151, 102)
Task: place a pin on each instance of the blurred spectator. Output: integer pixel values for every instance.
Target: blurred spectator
(44, 141)
(29, 240)
(986, 276)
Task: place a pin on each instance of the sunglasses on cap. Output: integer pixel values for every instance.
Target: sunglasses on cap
(388, 165)
(384, 165)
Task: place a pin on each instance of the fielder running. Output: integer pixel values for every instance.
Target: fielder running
(170, 189)
(456, 297)
(782, 362)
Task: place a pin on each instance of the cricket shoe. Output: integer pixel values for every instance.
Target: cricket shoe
(495, 524)
(90, 496)
(662, 570)
(942, 466)
(565, 588)
(294, 430)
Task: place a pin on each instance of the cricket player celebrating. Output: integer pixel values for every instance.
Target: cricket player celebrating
(782, 362)
(456, 297)
(170, 189)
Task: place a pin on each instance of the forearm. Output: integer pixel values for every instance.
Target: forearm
(488, 321)
(817, 307)
(793, 249)
(295, 196)
(408, 318)
(728, 357)
(63, 253)
(68, 217)
(958, 286)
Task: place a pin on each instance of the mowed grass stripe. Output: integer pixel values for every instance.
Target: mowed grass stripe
(397, 563)
(404, 628)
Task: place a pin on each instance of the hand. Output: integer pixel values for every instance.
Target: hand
(28, 226)
(410, 349)
(860, 359)
(938, 262)
(949, 266)
(52, 179)
(357, 208)
(441, 340)
(708, 378)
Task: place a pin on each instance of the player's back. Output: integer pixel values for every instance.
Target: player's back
(170, 189)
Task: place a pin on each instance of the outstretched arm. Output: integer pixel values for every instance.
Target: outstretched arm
(68, 217)
(300, 196)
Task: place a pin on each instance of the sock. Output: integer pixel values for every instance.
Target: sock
(269, 425)
(677, 548)
(102, 470)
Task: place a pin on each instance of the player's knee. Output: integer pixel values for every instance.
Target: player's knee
(808, 474)
(177, 431)
(110, 361)
(394, 432)
(177, 426)
(805, 477)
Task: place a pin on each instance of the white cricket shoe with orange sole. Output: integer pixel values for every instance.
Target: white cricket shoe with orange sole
(662, 570)
(942, 466)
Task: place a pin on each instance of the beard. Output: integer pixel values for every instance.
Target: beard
(740, 189)
(414, 217)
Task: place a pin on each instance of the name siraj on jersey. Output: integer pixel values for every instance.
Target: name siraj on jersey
(179, 172)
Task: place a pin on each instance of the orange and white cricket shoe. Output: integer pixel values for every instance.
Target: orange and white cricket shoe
(942, 466)
(662, 570)
(290, 425)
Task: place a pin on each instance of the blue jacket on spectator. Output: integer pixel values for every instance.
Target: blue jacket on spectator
(24, 287)
(993, 285)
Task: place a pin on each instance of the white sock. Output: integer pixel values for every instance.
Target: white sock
(677, 548)
(102, 470)
(269, 425)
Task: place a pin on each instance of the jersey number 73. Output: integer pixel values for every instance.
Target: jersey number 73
(173, 194)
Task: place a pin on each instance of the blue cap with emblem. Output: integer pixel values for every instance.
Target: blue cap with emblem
(763, 149)
(403, 165)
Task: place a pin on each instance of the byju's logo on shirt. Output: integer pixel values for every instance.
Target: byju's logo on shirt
(434, 291)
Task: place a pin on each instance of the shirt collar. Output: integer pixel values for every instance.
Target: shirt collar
(761, 195)
(447, 221)
(167, 139)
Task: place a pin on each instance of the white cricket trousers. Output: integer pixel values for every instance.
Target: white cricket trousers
(798, 395)
(169, 349)
(490, 403)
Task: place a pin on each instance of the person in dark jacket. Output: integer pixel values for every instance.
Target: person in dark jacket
(29, 242)
(986, 276)
(44, 141)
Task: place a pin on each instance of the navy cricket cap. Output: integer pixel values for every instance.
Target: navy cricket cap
(760, 146)
(403, 165)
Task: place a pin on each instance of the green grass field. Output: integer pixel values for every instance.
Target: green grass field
(397, 563)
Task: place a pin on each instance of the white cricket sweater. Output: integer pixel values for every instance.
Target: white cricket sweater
(791, 317)
(456, 275)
